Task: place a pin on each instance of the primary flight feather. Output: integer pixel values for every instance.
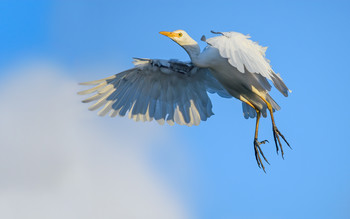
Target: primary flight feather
(177, 92)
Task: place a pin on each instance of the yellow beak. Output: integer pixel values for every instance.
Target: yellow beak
(168, 34)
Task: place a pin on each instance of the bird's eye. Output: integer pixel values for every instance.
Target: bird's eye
(180, 34)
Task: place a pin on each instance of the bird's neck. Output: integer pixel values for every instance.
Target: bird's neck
(193, 50)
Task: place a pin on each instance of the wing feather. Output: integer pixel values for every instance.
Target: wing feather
(246, 55)
(242, 52)
(155, 89)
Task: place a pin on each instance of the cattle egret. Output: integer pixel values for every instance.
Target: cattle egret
(176, 92)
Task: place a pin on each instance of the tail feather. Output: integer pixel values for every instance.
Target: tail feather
(273, 103)
(280, 85)
(249, 112)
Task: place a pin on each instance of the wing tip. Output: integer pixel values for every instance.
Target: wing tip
(214, 32)
(85, 83)
(140, 61)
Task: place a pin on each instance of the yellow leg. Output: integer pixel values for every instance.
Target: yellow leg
(257, 144)
(276, 132)
(257, 123)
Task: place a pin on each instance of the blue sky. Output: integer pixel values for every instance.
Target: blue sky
(308, 43)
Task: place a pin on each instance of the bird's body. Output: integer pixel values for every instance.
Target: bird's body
(169, 90)
(237, 84)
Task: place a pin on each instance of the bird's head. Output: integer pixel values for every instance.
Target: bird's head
(180, 37)
(185, 41)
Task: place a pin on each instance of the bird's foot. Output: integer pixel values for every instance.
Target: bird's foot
(276, 136)
(259, 152)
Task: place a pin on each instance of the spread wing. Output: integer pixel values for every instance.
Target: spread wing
(242, 53)
(170, 91)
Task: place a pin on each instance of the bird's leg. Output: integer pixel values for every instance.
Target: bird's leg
(276, 132)
(257, 144)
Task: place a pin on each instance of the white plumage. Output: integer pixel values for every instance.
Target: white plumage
(176, 92)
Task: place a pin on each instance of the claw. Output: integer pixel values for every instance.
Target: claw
(264, 141)
(276, 132)
(276, 136)
(275, 139)
(258, 151)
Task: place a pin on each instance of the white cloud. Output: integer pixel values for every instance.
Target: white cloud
(58, 160)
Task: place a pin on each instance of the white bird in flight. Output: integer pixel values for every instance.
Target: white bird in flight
(176, 92)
